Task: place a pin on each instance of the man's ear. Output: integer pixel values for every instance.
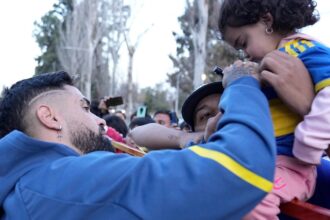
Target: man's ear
(47, 117)
(267, 19)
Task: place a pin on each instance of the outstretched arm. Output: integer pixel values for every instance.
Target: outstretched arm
(224, 178)
(155, 136)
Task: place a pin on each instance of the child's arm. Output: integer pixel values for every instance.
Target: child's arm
(157, 136)
(312, 135)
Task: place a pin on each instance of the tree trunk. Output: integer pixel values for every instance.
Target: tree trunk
(130, 82)
(199, 32)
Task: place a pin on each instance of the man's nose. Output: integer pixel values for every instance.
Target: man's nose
(100, 121)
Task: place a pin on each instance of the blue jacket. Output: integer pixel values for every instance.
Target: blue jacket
(222, 179)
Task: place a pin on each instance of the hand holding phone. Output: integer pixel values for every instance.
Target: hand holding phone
(114, 101)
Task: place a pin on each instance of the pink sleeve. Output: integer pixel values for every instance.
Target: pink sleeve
(312, 136)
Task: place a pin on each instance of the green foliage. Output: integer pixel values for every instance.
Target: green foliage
(46, 33)
(218, 52)
(155, 98)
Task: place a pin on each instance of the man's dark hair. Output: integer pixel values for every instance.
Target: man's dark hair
(185, 125)
(14, 101)
(165, 112)
(117, 123)
(140, 121)
(134, 115)
(288, 15)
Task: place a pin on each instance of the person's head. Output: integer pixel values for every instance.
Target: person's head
(117, 123)
(121, 114)
(257, 26)
(202, 105)
(184, 126)
(174, 120)
(95, 108)
(140, 121)
(48, 107)
(163, 117)
(135, 115)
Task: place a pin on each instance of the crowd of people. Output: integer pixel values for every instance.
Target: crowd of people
(248, 143)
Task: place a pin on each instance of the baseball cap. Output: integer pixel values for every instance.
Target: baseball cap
(190, 104)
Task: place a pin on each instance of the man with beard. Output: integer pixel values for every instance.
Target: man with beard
(53, 164)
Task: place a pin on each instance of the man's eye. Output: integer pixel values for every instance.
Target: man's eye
(87, 108)
(205, 116)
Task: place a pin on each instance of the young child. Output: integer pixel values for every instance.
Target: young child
(259, 27)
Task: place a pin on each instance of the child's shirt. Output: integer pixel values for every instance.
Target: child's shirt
(312, 135)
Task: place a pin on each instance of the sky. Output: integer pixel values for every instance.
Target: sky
(18, 48)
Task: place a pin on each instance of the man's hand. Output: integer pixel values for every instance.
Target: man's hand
(211, 125)
(290, 78)
(239, 69)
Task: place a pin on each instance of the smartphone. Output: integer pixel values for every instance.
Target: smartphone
(141, 111)
(114, 101)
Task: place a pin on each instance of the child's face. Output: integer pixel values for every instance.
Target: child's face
(253, 39)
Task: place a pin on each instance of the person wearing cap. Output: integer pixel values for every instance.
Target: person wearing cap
(200, 109)
(205, 100)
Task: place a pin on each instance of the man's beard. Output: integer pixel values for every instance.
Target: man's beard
(88, 141)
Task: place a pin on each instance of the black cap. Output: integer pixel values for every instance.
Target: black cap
(190, 104)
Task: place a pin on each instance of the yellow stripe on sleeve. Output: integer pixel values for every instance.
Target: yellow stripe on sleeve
(234, 167)
(322, 84)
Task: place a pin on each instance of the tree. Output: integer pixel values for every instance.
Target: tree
(118, 13)
(217, 51)
(131, 48)
(156, 98)
(83, 37)
(199, 27)
(46, 33)
(78, 38)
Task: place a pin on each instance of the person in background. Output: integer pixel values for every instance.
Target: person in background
(117, 129)
(53, 165)
(184, 126)
(121, 114)
(136, 122)
(95, 108)
(174, 120)
(135, 115)
(117, 123)
(200, 107)
(99, 108)
(163, 117)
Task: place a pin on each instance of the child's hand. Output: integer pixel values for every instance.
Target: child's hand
(239, 69)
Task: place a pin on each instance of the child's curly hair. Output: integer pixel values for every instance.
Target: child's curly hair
(288, 15)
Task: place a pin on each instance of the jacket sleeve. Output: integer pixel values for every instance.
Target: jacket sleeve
(222, 179)
(312, 134)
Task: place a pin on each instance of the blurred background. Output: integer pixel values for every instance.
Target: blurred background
(150, 52)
